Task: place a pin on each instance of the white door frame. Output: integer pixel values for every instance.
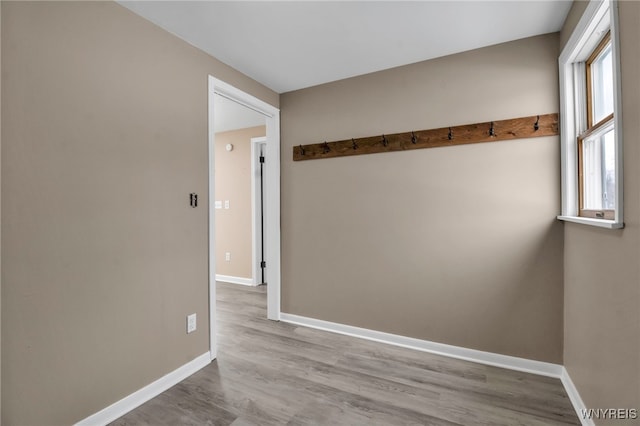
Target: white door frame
(256, 224)
(272, 203)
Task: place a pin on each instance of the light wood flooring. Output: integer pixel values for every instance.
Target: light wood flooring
(273, 373)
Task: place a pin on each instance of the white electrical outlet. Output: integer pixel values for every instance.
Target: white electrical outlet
(226, 204)
(191, 323)
(227, 256)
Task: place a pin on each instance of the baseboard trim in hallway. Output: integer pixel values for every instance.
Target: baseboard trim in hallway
(122, 407)
(466, 354)
(575, 398)
(235, 280)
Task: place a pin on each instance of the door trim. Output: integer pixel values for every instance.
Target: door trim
(272, 197)
(256, 225)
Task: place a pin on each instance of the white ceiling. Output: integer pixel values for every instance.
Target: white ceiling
(290, 45)
(230, 115)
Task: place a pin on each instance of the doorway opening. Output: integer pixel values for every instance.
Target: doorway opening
(264, 199)
(240, 146)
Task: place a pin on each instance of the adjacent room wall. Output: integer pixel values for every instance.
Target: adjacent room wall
(456, 245)
(233, 183)
(602, 276)
(105, 135)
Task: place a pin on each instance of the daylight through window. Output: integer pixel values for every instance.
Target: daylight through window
(596, 145)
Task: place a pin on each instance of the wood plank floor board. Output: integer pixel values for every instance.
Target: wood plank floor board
(308, 388)
(474, 387)
(443, 380)
(405, 396)
(272, 373)
(273, 344)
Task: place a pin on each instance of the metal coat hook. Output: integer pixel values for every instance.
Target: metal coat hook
(301, 149)
(354, 144)
(492, 132)
(536, 125)
(325, 148)
(414, 139)
(450, 135)
(384, 140)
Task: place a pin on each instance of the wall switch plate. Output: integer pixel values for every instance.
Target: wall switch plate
(226, 204)
(191, 323)
(218, 204)
(227, 256)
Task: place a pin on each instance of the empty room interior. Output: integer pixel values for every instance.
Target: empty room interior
(308, 213)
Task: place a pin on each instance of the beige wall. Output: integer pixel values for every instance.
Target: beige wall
(577, 9)
(233, 183)
(104, 137)
(0, 213)
(601, 272)
(455, 245)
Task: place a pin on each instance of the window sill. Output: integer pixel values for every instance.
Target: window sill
(600, 223)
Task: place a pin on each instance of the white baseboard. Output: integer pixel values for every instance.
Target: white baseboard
(139, 397)
(235, 280)
(488, 358)
(575, 398)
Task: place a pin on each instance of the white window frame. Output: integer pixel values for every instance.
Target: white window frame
(599, 17)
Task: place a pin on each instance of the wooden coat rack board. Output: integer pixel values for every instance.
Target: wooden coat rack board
(515, 128)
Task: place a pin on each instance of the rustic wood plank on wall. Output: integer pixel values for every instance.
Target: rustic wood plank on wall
(493, 131)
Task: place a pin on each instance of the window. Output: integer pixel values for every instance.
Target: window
(596, 145)
(590, 125)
